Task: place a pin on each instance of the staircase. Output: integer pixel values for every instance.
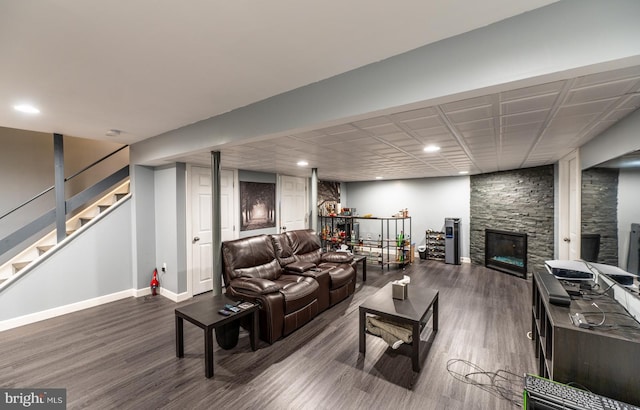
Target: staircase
(30, 256)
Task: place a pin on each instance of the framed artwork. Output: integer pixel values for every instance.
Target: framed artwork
(328, 197)
(257, 205)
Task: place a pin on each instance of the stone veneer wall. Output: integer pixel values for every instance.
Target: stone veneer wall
(600, 210)
(517, 201)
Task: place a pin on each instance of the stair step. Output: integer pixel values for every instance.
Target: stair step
(84, 221)
(2, 280)
(120, 196)
(19, 265)
(103, 207)
(69, 232)
(42, 249)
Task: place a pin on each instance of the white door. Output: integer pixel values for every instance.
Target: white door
(569, 181)
(201, 247)
(293, 200)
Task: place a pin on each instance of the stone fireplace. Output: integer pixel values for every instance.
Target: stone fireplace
(517, 201)
(506, 251)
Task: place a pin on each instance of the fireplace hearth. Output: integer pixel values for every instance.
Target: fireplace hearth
(506, 251)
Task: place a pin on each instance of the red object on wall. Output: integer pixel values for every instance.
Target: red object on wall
(154, 282)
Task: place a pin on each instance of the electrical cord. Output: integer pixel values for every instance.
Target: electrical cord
(603, 315)
(502, 383)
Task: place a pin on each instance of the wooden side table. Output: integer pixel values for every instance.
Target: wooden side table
(363, 259)
(205, 315)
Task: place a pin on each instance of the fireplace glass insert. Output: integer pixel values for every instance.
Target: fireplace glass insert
(506, 251)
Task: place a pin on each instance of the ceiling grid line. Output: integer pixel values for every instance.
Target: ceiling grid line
(552, 112)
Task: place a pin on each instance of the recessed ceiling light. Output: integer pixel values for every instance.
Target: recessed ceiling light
(113, 133)
(431, 148)
(463, 172)
(378, 177)
(302, 163)
(26, 108)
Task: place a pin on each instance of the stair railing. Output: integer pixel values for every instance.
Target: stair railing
(20, 235)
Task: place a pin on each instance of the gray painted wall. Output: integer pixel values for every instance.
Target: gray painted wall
(620, 139)
(96, 262)
(429, 201)
(628, 210)
(144, 222)
(168, 227)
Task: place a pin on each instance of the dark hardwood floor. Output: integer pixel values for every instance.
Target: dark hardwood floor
(122, 355)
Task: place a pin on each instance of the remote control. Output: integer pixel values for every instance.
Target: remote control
(224, 312)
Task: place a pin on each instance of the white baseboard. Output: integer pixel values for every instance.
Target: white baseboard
(63, 310)
(176, 297)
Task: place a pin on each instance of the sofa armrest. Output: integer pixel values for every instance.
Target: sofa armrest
(255, 285)
(337, 257)
(299, 267)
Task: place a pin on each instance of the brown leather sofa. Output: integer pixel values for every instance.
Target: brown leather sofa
(289, 276)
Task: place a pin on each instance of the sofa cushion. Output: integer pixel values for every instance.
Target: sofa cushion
(255, 285)
(337, 257)
(271, 271)
(341, 275)
(282, 246)
(299, 293)
(306, 245)
(311, 257)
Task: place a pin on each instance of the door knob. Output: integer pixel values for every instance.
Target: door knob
(567, 240)
(196, 239)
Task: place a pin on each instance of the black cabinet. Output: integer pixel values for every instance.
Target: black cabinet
(602, 359)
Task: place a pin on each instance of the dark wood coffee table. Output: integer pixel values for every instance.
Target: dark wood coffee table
(204, 314)
(413, 310)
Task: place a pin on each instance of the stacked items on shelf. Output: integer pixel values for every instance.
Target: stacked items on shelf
(393, 247)
(370, 248)
(435, 245)
(332, 238)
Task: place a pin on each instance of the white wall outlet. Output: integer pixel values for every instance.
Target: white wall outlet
(164, 266)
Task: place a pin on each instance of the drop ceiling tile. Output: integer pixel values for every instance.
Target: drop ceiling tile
(414, 114)
(432, 132)
(525, 118)
(530, 129)
(372, 122)
(536, 90)
(338, 129)
(600, 91)
(617, 115)
(466, 104)
(478, 133)
(389, 128)
(535, 103)
(593, 107)
(424, 122)
(608, 76)
(472, 114)
(475, 125)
